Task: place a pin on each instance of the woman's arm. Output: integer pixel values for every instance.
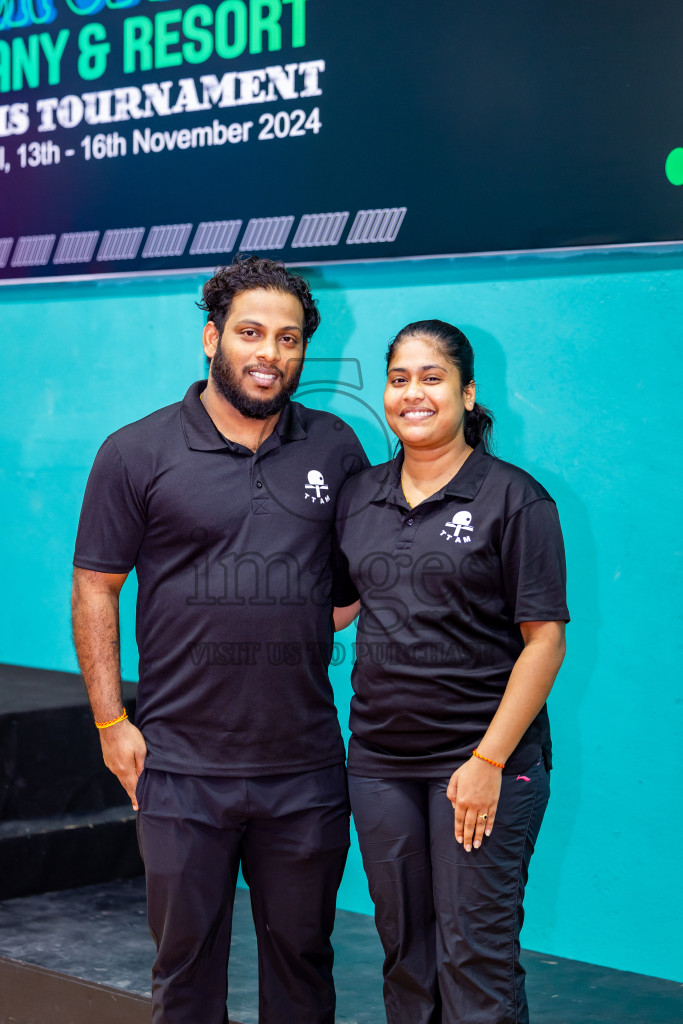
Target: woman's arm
(474, 788)
(343, 617)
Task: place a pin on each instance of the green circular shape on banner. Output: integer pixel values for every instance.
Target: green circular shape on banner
(673, 168)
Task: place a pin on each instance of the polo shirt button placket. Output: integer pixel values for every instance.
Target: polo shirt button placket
(406, 537)
(259, 502)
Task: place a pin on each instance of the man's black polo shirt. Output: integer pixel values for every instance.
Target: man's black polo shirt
(443, 588)
(233, 557)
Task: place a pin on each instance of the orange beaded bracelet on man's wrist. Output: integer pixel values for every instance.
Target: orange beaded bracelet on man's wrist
(114, 721)
(496, 764)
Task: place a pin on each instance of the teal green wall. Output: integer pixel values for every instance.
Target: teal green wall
(580, 358)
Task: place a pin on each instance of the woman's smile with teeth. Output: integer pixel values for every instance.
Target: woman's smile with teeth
(417, 414)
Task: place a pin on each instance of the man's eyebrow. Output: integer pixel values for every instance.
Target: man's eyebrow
(257, 323)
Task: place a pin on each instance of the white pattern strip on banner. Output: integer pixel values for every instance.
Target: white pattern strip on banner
(76, 247)
(166, 240)
(266, 233)
(319, 229)
(376, 225)
(5, 249)
(215, 236)
(120, 244)
(33, 250)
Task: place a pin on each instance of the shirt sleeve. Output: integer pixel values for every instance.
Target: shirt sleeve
(113, 520)
(343, 591)
(532, 557)
(353, 457)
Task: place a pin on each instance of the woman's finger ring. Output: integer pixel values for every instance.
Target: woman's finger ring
(484, 816)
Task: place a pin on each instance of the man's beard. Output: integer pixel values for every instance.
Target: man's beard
(228, 382)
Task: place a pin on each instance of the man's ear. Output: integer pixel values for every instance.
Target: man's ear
(210, 339)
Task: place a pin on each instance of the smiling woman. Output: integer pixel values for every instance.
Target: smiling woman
(449, 756)
(429, 403)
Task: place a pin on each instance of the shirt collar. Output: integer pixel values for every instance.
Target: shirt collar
(290, 426)
(201, 434)
(468, 480)
(465, 484)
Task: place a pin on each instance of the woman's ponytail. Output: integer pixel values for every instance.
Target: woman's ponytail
(479, 427)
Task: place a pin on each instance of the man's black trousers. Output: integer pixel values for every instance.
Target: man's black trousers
(449, 920)
(291, 835)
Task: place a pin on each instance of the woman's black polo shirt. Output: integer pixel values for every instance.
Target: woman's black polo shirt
(443, 587)
(233, 557)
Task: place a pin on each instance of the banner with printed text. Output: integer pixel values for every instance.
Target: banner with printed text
(158, 135)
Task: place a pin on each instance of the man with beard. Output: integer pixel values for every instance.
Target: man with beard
(224, 505)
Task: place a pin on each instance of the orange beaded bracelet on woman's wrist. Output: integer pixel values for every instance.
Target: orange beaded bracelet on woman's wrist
(496, 764)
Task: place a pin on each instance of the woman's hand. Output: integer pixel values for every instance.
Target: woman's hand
(474, 790)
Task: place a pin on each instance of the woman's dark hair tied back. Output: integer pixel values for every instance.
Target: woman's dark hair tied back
(479, 427)
(450, 340)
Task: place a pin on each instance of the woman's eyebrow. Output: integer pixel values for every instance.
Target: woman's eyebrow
(429, 366)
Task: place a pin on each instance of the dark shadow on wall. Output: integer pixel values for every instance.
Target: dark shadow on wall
(576, 675)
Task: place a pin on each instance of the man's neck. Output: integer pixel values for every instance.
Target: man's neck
(232, 424)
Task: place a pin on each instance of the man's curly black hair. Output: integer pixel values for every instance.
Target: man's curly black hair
(246, 273)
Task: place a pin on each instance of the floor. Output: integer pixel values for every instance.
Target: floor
(99, 934)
